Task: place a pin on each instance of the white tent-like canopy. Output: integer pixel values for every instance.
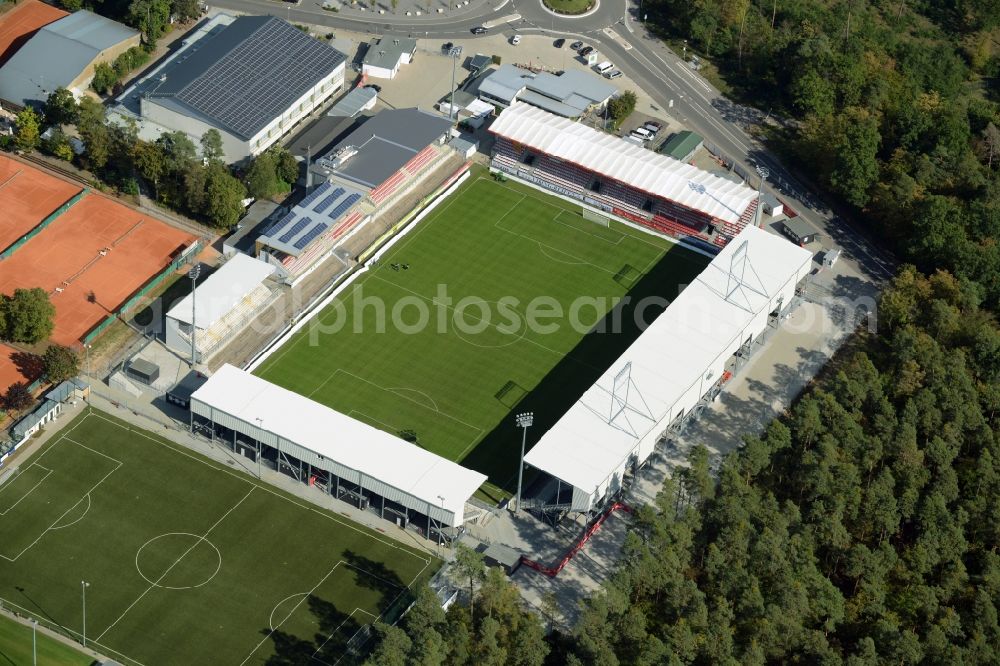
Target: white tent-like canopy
(616, 158)
(326, 439)
(672, 364)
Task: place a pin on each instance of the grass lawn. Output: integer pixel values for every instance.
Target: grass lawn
(15, 647)
(569, 6)
(188, 562)
(454, 381)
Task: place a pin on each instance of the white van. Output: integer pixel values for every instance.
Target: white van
(604, 67)
(643, 133)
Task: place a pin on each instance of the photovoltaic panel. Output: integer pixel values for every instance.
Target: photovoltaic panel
(325, 203)
(315, 194)
(343, 205)
(270, 68)
(279, 225)
(296, 228)
(311, 234)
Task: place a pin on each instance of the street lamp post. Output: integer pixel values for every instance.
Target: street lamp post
(34, 642)
(685, 51)
(524, 421)
(193, 274)
(83, 589)
(763, 172)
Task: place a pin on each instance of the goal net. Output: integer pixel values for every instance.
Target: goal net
(596, 217)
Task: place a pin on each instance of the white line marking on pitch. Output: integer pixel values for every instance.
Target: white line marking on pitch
(294, 608)
(176, 562)
(31, 490)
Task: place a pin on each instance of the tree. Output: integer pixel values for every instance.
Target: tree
(469, 564)
(17, 397)
(104, 79)
(393, 647)
(261, 178)
(991, 143)
(71, 5)
(211, 146)
(151, 17)
(620, 107)
(94, 133)
(185, 10)
(26, 133)
(856, 167)
(151, 162)
(57, 144)
(60, 363)
(30, 315)
(61, 107)
(225, 196)
(286, 167)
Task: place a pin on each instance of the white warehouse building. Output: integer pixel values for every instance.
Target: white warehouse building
(252, 78)
(333, 452)
(675, 365)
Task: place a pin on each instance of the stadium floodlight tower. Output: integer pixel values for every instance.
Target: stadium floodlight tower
(455, 52)
(524, 421)
(193, 274)
(763, 172)
(34, 642)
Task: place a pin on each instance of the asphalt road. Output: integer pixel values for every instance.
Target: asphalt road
(678, 89)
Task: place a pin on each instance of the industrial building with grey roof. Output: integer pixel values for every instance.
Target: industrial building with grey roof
(380, 147)
(63, 54)
(570, 94)
(252, 78)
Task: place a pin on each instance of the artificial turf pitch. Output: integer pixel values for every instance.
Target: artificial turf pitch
(453, 388)
(188, 562)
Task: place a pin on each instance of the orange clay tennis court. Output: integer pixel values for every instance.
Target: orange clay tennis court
(27, 195)
(91, 259)
(17, 366)
(23, 20)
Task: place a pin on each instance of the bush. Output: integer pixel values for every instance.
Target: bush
(17, 397)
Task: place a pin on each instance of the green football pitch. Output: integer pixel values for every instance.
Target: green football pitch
(434, 343)
(187, 562)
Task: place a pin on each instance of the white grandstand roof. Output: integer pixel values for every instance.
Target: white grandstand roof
(222, 290)
(333, 435)
(616, 158)
(670, 357)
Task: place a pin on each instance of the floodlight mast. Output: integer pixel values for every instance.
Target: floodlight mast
(193, 274)
(763, 172)
(524, 421)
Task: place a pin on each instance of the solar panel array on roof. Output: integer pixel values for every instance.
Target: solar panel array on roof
(343, 206)
(315, 194)
(325, 203)
(296, 228)
(276, 227)
(254, 75)
(307, 237)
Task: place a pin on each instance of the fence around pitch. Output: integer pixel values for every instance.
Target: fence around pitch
(181, 259)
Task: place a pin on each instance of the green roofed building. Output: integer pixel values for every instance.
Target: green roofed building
(681, 146)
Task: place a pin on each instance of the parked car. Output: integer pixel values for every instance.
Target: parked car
(653, 126)
(515, 40)
(634, 139)
(559, 43)
(586, 50)
(604, 67)
(479, 30)
(613, 74)
(446, 47)
(576, 46)
(643, 134)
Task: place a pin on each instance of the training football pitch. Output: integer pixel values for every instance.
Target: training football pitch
(447, 335)
(187, 562)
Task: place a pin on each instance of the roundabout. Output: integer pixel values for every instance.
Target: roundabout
(571, 9)
(178, 561)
